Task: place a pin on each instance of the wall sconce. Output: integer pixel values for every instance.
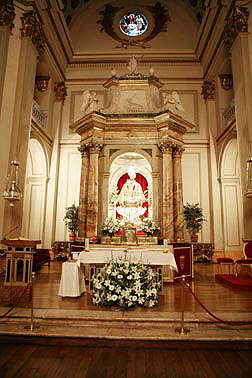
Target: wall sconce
(12, 192)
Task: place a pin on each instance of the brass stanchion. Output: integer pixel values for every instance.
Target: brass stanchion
(32, 326)
(181, 330)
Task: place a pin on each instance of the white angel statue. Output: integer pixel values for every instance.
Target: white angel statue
(90, 102)
(172, 102)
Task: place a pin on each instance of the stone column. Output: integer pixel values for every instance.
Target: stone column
(83, 190)
(7, 15)
(31, 45)
(237, 42)
(92, 195)
(178, 194)
(168, 220)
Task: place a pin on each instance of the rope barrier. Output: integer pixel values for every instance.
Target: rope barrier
(211, 314)
(17, 302)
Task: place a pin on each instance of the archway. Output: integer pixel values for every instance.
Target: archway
(119, 174)
(231, 197)
(35, 192)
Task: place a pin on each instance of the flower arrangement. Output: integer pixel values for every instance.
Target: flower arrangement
(111, 226)
(149, 226)
(125, 284)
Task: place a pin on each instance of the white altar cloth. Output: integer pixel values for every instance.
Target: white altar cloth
(144, 256)
(72, 283)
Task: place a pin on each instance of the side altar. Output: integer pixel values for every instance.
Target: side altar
(131, 149)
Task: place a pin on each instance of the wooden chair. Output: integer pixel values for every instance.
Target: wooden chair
(247, 260)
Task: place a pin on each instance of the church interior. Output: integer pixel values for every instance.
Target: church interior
(119, 119)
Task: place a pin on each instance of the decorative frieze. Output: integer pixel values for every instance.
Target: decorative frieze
(42, 83)
(237, 23)
(32, 28)
(226, 81)
(7, 13)
(60, 91)
(208, 90)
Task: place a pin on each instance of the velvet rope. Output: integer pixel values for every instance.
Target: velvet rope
(17, 302)
(211, 314)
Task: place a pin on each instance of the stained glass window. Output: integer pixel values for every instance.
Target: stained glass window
(133, 24)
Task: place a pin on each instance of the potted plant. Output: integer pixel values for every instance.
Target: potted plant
(194, 218)
(149, 226)
(72, 221)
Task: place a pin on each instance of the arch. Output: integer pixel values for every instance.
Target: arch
(118, 167)
(35, 191)
(231, 195)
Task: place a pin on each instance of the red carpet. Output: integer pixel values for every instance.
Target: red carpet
(240, 282)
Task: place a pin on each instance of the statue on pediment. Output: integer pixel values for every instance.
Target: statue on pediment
(90, 102)
(172, 102)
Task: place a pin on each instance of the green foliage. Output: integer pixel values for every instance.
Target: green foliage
(193, 217)
(71, 218)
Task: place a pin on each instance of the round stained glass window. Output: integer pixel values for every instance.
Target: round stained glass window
(133, 24)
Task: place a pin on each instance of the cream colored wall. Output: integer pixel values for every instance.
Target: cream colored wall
(68, 187)
(231, 198)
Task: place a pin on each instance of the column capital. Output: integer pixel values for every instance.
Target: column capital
(84, 151)
(208, 90)
(95, 147)
(42, 83)
(178, 151)
(60, 91)
(166, 146)
(31, 27)
(226, 81)
(236, 23)
(7, 13)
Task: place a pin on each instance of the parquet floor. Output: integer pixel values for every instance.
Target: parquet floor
(29, 361)
(215, 296)
(60, 361)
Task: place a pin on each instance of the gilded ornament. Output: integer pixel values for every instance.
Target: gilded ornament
(7, 13)
(208, 90)
(60, 91)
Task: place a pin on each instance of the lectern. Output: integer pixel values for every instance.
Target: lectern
(19, 260)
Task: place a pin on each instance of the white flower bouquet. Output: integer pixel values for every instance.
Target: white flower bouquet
(125, 284)
(111, 226)
(149, 226)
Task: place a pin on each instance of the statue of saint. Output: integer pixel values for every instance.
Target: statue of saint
(131, 199)
(172, 102)
(90, 102)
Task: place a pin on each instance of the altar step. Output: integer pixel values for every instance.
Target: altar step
(130, 329)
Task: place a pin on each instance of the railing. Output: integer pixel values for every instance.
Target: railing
(228, 114)
(38, 114)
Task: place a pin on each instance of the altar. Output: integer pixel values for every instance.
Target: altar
(156, 257)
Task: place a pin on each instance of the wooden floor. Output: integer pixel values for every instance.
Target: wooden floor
(28, 361)
(216, 296)
(49, 361)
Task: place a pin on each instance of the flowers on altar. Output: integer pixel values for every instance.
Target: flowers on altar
(125, 284)
(149, 226)
(111, 226)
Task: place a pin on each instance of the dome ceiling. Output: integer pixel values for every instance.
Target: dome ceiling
(71, 7)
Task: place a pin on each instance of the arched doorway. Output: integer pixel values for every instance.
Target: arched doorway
(35, 192)
(231, 197)
(119, 174)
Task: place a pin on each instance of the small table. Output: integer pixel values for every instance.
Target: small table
(72, 283)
